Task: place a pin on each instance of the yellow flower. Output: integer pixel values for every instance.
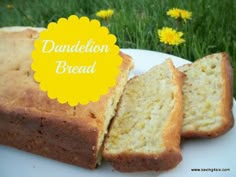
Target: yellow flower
(179, 14)
(175, 13)
(170, 36)
(105, 14)
(9, 6)
(185, 15)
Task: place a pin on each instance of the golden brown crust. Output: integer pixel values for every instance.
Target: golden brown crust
(227, 98)
(171, 156)
(67, 140)
(127, 162)
(23, 107)
(226, 104)
(172, 131)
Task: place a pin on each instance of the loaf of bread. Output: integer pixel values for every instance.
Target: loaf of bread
(207, 93)
(30, 121)
(145, 133)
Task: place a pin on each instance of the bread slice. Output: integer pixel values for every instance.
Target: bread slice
(30, 121)
(207, 93)
(145, 133)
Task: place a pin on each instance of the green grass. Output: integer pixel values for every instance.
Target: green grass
(212, 28)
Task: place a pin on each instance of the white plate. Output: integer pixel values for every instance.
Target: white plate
(198, 153)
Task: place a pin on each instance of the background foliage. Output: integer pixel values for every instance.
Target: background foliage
(135, 22)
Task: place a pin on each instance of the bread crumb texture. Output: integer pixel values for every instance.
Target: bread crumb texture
(202, 91)
(144, 107)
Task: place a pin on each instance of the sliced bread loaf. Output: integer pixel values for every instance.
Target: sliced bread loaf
(30, 121)
(145, 133)
(207, 93)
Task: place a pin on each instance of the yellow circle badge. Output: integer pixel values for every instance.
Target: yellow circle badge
(76, 60)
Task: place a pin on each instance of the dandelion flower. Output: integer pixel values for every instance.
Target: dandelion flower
(9, 6)
(174, 13)
(179, 14)
(170, 36)
(105, 14)
(185, 15)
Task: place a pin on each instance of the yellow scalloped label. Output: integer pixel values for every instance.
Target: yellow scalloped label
(76, 60)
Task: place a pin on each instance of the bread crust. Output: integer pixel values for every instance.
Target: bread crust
(172, 132)
(31, 121)
(226, 104)
(171, 156)
(127, 162)
(68, 140)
